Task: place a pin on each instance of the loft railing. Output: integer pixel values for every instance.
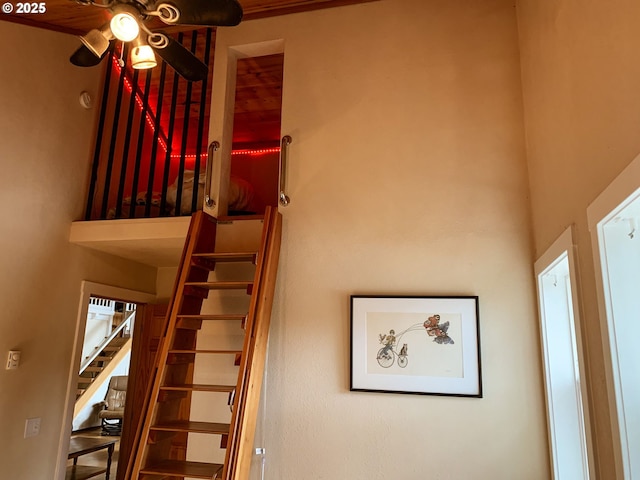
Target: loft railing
(148, 154)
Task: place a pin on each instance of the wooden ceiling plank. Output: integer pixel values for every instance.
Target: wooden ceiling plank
(254, 10)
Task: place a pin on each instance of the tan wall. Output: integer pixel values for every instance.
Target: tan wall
(407, 176)
(44, 158)
(582, 111)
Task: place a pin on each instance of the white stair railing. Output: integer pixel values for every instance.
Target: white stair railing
(126, 324)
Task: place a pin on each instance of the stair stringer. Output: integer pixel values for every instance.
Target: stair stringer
(103, 377)
(248, 389)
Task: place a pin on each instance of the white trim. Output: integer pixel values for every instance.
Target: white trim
(564, 247)
(86, 290)
(614, 198)
(222, 108)
(619, 190)
(258, 49)
(564, 243)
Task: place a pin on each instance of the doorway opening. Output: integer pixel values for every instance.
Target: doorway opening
(106, 353)
(254, 171)
(104, 311)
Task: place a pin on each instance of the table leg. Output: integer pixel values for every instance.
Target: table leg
(110, 452)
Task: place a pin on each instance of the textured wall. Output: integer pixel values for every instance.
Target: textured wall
(44, 159)
(407, 176)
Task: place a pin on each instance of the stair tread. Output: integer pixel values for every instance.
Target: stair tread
(183, 468)
(228, 285)
(234, 352)
(228, 256)
(93, 369)
(119, 340)
(191, 426)
(214, 317)
(200, 387)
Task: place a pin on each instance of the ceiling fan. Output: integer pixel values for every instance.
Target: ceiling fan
(128, 24)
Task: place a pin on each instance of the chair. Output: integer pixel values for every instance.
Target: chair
(113, 405)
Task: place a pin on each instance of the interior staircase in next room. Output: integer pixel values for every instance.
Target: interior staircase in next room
(203, 399)
(112, 347)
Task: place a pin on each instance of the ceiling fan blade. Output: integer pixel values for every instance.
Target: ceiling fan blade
(225, 13)
(182, 60)
(83, 57)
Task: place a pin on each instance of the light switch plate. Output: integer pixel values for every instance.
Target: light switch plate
(13, 359)
(32, 427)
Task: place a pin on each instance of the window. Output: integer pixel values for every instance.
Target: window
(614, 218)
(559, 329)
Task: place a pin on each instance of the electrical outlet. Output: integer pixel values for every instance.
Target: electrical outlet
(13, 360)
(32, 427)
(261, 451)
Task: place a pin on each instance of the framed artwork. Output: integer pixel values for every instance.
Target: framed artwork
(420, 345)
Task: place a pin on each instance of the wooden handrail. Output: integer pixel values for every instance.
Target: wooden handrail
(247, 399)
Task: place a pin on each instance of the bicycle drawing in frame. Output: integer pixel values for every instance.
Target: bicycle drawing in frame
(442, 334)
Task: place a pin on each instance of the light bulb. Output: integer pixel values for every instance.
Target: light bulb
(142, 57)
(124, 26)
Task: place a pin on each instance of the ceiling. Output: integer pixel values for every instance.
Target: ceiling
(68, 16)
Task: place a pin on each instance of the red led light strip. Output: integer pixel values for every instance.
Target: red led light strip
(257, 151)
(139, 102)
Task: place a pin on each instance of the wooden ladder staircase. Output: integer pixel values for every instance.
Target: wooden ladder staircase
(166, 427)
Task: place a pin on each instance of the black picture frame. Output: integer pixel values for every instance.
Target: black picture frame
(426, 345)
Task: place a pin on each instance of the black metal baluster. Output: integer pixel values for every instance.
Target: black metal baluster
(156, 137)
(185, 135)
(141, 130)
(203, 111)
(98, 144)
(125, 150)
(167, 162)
(114, 135)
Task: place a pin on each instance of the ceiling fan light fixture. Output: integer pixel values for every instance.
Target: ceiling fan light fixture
(97, 40)
(124, 24)
(168, 13)
(142, 56)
